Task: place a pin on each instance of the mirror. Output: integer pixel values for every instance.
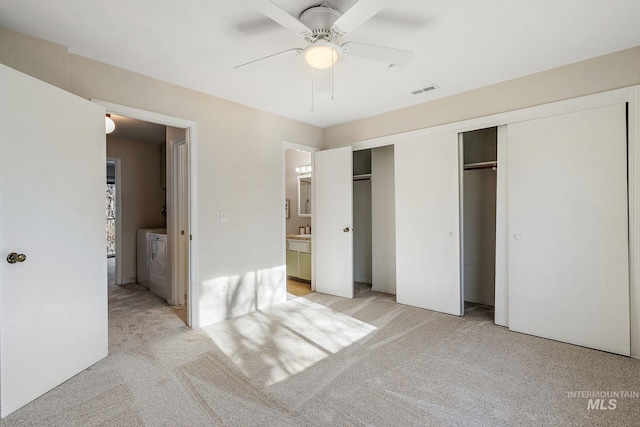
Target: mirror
(304, 195)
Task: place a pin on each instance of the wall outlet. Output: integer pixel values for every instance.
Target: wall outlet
(223, 289)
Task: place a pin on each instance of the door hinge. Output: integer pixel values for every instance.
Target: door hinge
(190, 237)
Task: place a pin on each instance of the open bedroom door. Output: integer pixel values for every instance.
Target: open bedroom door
(53, 291)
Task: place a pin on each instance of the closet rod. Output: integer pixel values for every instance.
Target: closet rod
(363, 177)
(481, 165)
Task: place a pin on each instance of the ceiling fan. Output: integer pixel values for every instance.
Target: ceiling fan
(321, 26)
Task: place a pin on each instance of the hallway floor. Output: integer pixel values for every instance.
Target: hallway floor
(179, 310)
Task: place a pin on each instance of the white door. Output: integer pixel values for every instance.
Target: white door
(568, 231)
(333, 208)
(178, 221)
(428, 223)
(53, 306)
(183, 221)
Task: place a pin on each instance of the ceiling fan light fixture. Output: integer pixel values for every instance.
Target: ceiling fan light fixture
(321, 54)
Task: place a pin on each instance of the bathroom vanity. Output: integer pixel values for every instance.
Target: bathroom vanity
(299, 256)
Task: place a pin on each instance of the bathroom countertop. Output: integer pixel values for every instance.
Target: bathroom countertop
(299, 236)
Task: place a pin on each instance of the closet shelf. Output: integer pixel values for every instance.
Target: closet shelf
(481, 165)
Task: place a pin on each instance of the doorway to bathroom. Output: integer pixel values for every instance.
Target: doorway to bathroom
(298, 207)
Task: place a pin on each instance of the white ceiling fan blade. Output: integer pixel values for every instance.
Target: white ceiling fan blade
(387, 55)
(277, 14)
(357, 15)
(256, 63)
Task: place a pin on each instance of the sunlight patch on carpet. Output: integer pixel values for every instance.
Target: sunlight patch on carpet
(283, 340)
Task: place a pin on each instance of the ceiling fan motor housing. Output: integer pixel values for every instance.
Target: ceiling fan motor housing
(321, 26)
(321, 19)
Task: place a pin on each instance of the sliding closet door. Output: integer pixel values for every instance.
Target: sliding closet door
(333, 211)
(428, 223)
(568, 230)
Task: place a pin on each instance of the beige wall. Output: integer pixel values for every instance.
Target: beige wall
(141, 197)
(293, 159)
(613, 71)
(239, 169)
(43, 60)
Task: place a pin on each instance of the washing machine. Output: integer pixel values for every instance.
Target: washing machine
(158, 283)
(143, 254)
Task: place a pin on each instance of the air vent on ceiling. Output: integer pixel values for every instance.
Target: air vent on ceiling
(426, 89)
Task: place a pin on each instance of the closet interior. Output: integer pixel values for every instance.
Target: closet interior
(479, 185)
(374, 220)
(362, 230)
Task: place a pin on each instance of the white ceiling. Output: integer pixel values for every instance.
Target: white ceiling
(459, 45)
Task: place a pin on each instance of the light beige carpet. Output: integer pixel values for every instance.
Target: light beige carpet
(322, 360)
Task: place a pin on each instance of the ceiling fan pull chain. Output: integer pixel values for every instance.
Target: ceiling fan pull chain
(332, 80)
(313, 78)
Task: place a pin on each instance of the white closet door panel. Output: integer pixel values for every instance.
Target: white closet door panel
(568, 231)
(333, 211)
(428, 223)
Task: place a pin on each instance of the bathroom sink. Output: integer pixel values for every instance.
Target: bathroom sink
(305, 236)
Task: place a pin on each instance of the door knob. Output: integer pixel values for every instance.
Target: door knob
(346, 229)
(14, 257)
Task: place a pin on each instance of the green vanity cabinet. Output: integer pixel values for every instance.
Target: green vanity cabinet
(304, 265)
(292, 263)
(299, 259)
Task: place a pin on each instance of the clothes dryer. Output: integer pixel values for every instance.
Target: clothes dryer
(158, 283)
(142, 254)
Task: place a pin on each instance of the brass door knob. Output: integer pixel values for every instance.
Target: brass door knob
(14, 257)
(346, 229)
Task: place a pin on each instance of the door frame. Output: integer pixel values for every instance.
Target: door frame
(191, 134)
(118, 222)
(286, 145)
